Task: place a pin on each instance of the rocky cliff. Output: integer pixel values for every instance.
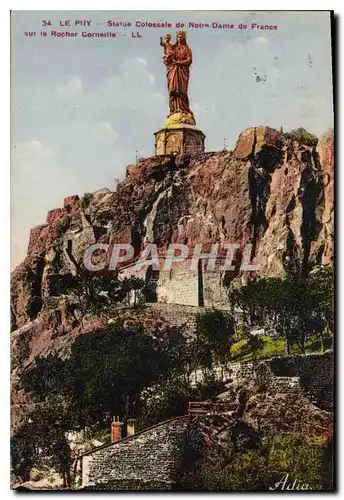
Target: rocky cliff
(275, 193)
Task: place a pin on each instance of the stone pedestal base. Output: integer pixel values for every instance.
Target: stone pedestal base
(182, 138)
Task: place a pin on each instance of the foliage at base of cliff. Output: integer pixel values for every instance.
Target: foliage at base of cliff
(268, 442)
(282, 461)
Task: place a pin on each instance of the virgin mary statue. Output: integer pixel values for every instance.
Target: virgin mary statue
(178, 59)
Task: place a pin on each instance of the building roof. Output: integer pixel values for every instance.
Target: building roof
(128, 438)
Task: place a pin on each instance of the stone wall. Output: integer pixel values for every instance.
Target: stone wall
(149, 460)
(215, 294)
(180, 315)
(183, 286)
(152, 459)
(313, 375)
(315, 372)
(180, 285)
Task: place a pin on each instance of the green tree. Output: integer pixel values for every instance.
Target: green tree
(164, 400)
(215, 331)
(41, 440)
(306, 306)
(321, 287)
(24, 453)
(106, 372)
(297, 307)
(260, 300)
(255, 344)
(97, 292)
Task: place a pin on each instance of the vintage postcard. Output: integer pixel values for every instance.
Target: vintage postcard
(172, 225)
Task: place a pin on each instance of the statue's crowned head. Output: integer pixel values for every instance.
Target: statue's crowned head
(181, 37)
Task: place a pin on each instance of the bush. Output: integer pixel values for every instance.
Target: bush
(164, 401)
(86, 200)
(246, 472)
(302, 137)
(299, 457)
(171, 398)
(215, 330)
(287, 456)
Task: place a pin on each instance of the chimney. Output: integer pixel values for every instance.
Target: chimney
(116, 430)
(131, 426)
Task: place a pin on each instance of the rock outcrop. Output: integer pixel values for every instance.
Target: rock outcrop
(274, 193)
(325, 149)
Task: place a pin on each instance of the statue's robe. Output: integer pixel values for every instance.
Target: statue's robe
(178, 80)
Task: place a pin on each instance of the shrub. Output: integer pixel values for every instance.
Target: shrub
(86, 200)
(302, 137)
(246, 472)
(289, 456)
(216, 330)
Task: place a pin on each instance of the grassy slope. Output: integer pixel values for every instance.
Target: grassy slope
(272, 347)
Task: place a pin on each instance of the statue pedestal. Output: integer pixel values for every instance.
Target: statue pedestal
(179, 139)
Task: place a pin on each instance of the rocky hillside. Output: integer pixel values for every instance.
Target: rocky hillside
(270, 191)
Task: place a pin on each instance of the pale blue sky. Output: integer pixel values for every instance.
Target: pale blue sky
(82, 107)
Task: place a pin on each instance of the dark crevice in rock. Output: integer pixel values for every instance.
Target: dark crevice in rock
(263, 164)
(136, 238)
(36, 302)
(259, 192)
(311, 196)
(69, 252)
(13, 320)
(319, 254)
(170, 209)
(291, 204)
(292, 256)
(269, 158)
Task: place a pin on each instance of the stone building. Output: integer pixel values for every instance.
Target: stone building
(181, 139)
(181, 285)
(155, 458)
(149, 460)
(311, 375)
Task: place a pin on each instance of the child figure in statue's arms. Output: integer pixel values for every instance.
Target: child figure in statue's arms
(168, 49)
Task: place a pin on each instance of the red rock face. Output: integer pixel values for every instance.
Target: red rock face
(35, 234)
(55, 215)
(71, 204)
(275, 194)
(252, 140)
(325, 149)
